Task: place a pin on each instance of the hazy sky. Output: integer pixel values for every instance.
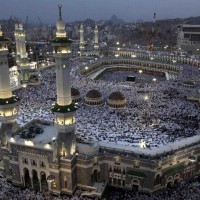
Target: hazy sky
(129, 10)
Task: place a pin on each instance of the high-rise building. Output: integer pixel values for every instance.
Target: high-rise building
(188, 38)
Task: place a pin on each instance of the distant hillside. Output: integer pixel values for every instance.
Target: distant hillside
(192, 20)
(114, 19)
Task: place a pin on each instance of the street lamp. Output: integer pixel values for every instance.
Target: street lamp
(140, 71)
(154, 79)
(192, 160)
(86, 69)
(146, 98)
(133, 56)
(24, 85)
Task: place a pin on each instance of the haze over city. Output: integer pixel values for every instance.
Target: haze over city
(129, 10)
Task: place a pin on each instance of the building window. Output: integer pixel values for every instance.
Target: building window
(117, 163)
(24, 160)
(65, 184)
(157, 180)
(64, 153)
(110, 169)
(33, 163)
(42, 164)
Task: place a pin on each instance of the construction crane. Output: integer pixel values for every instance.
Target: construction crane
(150, 34)
(26, 25)
(40, 30)
(17, 20)
(154, 24)
(8, 27)
(40, 22)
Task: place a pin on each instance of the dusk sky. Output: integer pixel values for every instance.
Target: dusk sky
(129, 10)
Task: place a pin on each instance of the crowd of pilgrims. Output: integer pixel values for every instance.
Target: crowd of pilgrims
(186, 190)
(165, 116)
(9, 192)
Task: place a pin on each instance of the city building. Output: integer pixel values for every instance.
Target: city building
(188, 38)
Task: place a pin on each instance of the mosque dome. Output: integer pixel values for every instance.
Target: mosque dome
(116, 96)
(190, 84)
(116, 100)
(76, 97)
(93, 94)
(93, 97)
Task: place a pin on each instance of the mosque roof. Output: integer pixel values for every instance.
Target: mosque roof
(189, 83)
(93, 94)
(116, 96)
(61, 40)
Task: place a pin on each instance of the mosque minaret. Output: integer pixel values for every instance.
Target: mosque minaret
(20, 39)
(81, 45)
(96, 38)
(64, 109)
(8, 101)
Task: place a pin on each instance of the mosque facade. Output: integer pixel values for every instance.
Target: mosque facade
(47, 156)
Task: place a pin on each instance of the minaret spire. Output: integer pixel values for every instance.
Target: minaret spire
(60, 11)
(60, 25)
